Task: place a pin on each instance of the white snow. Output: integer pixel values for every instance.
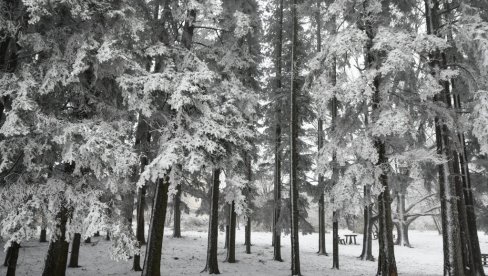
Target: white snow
(186, 256)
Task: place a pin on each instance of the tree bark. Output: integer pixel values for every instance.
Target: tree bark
(402, 227)
(13, 255)
(367, 254)
(248, 200)
(75, 251)
(277, 145)
(335, 240)
(57, 254)
(320, 143)
(386, 260)
(152, 260)
(453, 258)
(231, 248)
(212, 266)
(177, 212)
(248, 235)
(42, 237)
(322, 249)
(294, 90)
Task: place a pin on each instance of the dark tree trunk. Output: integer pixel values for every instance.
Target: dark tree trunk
(42, 237)
(248, 235)
(294, 90)
(75, 251)
(107, 236)
(97, 234)
(248, 200)
(320, 143)
(177, 212)
(367, 254)
(322, 250)
(152, 260)
(57, 254)
(402, 225)
(476, 267)
(141, 202)
(12, 258)
(386, 261)
(231, 248)
(212, 265)
(277, 145)
(453, 257)
(335, 240)
(226, 242)
(8, 64)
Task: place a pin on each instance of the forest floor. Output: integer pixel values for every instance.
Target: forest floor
(186, 256)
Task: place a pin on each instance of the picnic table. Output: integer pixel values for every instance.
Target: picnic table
(350, 237)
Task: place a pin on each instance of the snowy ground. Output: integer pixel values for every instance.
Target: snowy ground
(186, 256)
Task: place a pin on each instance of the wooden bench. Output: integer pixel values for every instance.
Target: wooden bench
(484, 257)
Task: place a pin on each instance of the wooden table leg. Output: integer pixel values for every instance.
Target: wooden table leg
(355, 240)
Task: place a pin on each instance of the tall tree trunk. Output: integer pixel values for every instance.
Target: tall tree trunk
(75, 251)
(320, 143)
(402, 235)
(294, 90)
(453, 258)
(8, 64)
(231, 248)
(177, 212)
(248, 235)
(386, 260)
(277, 145)
(322, 249)
(57, 254)
(367, 254)
(212, 265)
(476, 267)
(468, 197)
(248, 200)
(152, 260)
(335, 240)
(11, 262)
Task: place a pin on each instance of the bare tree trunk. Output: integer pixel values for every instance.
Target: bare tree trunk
(294, 90)
(277, 149)
(386, 260)
(320, 143)
(212, 265)
(402, 236)
(453, 258)
(75, 251)
(57, 254)
(231, 248)
(335, 240)
(13, 255)
(367, 254)
(248, 235)
(248, 199)
(152, 260)
(177, 211)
